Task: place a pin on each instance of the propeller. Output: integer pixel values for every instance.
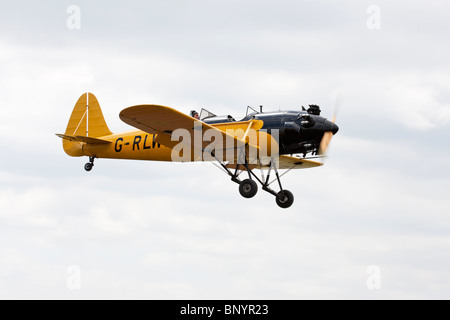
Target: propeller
(330, 128)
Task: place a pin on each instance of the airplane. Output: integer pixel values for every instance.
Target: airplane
(272, 141)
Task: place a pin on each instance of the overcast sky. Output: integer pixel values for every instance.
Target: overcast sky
(373, 223)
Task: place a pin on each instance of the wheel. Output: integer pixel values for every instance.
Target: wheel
(248, 188)
(88, 166)
(284, 199)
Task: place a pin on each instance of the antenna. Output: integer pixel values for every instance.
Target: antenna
(260, 109)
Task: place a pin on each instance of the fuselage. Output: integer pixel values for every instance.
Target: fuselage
(297, 132)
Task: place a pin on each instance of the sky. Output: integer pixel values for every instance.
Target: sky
(372, 223)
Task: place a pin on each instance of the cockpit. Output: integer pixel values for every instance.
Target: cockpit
(210, 118)
(306, 115)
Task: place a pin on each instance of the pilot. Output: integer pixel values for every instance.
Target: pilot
(194, 114)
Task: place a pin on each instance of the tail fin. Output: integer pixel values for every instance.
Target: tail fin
(86, 120)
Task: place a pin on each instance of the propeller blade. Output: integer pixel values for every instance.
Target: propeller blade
(325, 142)
(329, 134)
(338, 102)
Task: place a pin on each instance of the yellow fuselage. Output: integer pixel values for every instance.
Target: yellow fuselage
(136, 145)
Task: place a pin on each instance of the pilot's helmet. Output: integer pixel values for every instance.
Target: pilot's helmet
(193, 113)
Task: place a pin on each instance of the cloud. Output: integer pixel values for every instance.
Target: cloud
(162, 230)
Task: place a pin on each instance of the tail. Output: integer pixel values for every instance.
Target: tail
(85, 124)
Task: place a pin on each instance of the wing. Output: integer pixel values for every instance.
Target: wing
(284, 162)
(288, 162)
(170, 125)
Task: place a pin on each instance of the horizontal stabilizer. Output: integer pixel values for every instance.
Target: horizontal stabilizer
(84, 139)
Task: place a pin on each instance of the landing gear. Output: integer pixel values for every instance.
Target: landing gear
(248, 188)
(88, 166)
(284, 199)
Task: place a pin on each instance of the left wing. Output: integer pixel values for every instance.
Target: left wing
(164, 122)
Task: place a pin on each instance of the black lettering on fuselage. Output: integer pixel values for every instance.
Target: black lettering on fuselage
(136, 141)
(145, 142)
(154, 142)
(118, 147)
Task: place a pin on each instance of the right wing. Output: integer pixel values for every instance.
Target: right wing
(282, 162)
(289, 162)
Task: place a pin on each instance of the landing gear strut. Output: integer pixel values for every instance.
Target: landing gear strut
(88, 166)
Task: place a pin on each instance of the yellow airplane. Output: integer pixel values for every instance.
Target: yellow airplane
(261, 140)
